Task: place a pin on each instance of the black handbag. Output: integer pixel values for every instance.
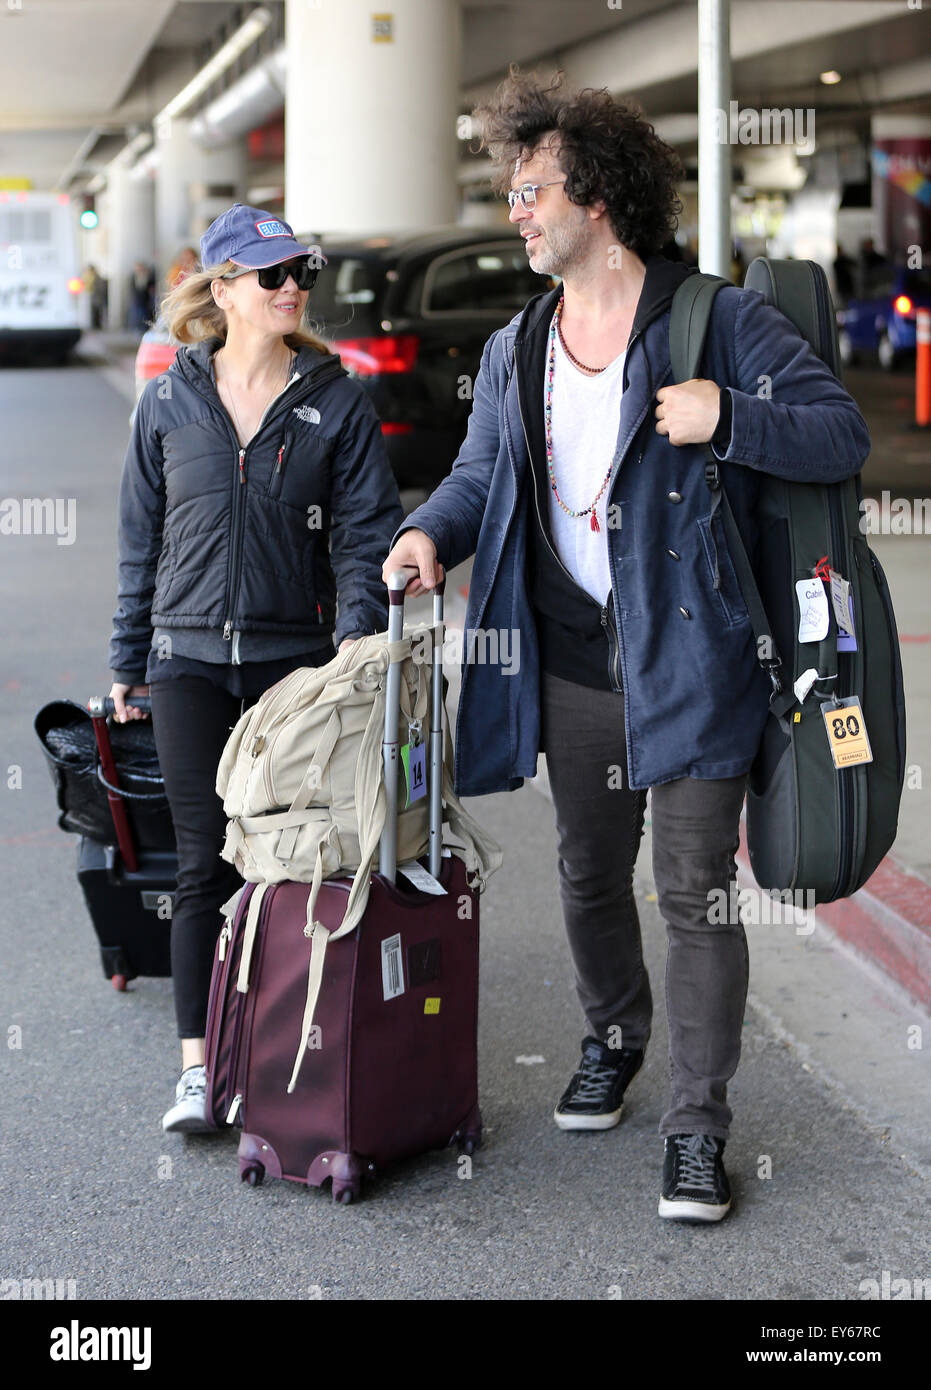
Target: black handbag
(65, 731)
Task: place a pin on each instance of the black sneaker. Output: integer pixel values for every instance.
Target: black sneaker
(695, 1186)
(594, 1097)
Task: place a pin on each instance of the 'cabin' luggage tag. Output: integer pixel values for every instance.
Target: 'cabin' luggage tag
(846, 730)
(814, 616)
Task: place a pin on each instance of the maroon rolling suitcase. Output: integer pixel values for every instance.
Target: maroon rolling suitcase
(390, 1068)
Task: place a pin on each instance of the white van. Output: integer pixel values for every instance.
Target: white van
(41, 301)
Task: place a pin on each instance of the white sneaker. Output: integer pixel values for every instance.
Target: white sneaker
(188, 1115)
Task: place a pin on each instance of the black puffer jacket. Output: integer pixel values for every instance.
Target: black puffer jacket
(258, 540)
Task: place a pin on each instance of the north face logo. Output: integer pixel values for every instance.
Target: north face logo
(308, 413)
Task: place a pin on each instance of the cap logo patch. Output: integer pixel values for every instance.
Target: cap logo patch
(272, 228)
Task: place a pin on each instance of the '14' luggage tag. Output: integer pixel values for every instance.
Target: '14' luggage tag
(847, 732)
(414, 758)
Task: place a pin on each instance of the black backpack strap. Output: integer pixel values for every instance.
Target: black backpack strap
(688, 322)
(688, 326)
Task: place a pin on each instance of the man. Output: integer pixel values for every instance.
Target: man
(580, 489)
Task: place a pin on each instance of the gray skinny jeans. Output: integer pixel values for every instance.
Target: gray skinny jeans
(695, 834)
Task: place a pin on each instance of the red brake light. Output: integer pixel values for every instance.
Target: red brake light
(372, 356)
(902, 304)
(154, 358)
(395, 427)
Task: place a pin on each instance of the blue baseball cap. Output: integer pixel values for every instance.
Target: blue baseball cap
(251, 237)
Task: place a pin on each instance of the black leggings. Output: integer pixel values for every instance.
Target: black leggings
(192, 718)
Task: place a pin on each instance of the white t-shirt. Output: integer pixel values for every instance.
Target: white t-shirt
(585, 420)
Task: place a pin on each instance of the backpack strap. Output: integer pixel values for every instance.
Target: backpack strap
(371, 802)
(689, 318)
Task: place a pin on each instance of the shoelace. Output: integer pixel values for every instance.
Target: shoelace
(594, 1080)
(696, 1154)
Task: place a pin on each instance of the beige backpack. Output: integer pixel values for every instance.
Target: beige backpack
(301, 775)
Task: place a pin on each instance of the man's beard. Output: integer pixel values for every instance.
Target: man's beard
(561, 248)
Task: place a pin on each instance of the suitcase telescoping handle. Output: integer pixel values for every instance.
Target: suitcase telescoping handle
(388, 851)
(99, 707)
(102, 705)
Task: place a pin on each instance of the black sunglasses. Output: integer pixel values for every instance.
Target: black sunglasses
(272, 277)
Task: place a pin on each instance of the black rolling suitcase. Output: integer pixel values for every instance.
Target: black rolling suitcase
(110, 792)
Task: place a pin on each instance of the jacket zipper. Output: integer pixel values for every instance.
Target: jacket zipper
(238, 522)
(235, 548)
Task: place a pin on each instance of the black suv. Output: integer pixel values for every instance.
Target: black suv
(409, 315)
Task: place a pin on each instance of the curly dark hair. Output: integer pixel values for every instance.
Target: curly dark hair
(607, 151)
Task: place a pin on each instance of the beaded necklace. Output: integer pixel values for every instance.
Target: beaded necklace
(588, 511)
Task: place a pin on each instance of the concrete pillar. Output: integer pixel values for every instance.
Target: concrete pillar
(192, 186)
(714, 151)
(128, 209)
(372, 99)
(901, 158)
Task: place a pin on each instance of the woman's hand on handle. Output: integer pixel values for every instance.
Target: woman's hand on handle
(415, 550)
(119, 694)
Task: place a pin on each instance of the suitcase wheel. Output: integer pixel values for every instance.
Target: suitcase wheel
(253, 1174)
(470, 1141)
(344, 1193)
(118, 982)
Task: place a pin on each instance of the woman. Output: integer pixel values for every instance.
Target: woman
(256, 492)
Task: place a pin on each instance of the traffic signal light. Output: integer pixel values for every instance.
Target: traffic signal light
(88, 217)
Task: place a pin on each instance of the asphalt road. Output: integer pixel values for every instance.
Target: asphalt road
(92, 1190)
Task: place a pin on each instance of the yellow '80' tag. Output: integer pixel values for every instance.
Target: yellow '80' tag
(847, 733)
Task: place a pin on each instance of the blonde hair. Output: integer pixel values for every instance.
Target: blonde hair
(192, 314)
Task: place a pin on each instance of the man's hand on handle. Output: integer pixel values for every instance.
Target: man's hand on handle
(415, 550)
(119, 695)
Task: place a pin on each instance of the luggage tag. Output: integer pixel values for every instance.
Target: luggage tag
(421, 878)
(814, 615)
(804, 683)
(414, 758)
(847, 735)
(840, 602)
(847, 641)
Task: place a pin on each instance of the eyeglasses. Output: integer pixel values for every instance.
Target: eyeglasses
(527, 194)
(272, 277)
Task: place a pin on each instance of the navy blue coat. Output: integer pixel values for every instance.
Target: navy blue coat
(695, 696)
